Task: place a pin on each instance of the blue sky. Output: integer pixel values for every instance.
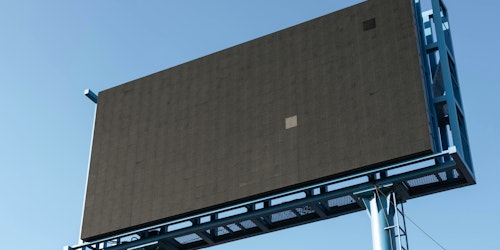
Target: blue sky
(50, 51)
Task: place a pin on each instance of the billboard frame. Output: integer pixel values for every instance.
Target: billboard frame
(304, 205)
(451, 167)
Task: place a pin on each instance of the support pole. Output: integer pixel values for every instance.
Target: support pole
(381, 214)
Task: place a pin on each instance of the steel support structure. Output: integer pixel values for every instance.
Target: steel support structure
(387, 218)
(324, 200)
(446, 112)
(382, 219)
(379, 190)
(445, 107)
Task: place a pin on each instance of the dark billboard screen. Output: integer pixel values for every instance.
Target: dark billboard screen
(326, 98)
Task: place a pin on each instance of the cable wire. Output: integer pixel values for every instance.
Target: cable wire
(413, 222)
(428, 235)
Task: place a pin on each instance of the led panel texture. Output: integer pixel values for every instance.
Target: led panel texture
(327, 98)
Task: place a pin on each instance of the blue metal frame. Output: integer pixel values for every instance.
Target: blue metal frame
(91, 95)
(382, 216)
(441, 80)
(303, 205)
(450, 166)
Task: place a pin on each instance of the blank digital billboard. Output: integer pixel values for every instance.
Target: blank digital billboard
(329, 97)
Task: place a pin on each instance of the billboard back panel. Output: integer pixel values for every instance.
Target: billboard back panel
(327, 98)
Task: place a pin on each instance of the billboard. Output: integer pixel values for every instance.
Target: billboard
(326, 98)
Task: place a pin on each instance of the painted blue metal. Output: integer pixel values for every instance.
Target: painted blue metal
(387, 218)
(304, 205)
(368, 186)
(433, 119)
(441, 80)
(450, 166)
(91, 95)
(381, 213)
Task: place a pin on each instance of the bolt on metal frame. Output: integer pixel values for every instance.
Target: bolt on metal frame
(450, 166)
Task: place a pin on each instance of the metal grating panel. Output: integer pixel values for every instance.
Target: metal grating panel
(442, 176)
(233, 227)
(186, 239)
(305, 210)
(222, 231)
(423, 181)
(291, 209)
(341, 201)
(248, 224)
(285, 215)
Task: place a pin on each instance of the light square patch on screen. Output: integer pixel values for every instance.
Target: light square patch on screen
(291, 122)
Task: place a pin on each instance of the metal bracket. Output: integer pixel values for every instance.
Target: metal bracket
(91, 95)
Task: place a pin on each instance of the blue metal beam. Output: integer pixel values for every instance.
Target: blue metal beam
(91, 95)
(258, 215)
(382, 219)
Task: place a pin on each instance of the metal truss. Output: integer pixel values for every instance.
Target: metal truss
(401, 235)
(441, 79)
(387, 217)
(324, 200)
(449, 167)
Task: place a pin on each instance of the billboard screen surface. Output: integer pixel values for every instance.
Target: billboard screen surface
(330, 97)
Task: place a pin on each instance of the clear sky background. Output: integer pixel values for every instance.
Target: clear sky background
(50, 51)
